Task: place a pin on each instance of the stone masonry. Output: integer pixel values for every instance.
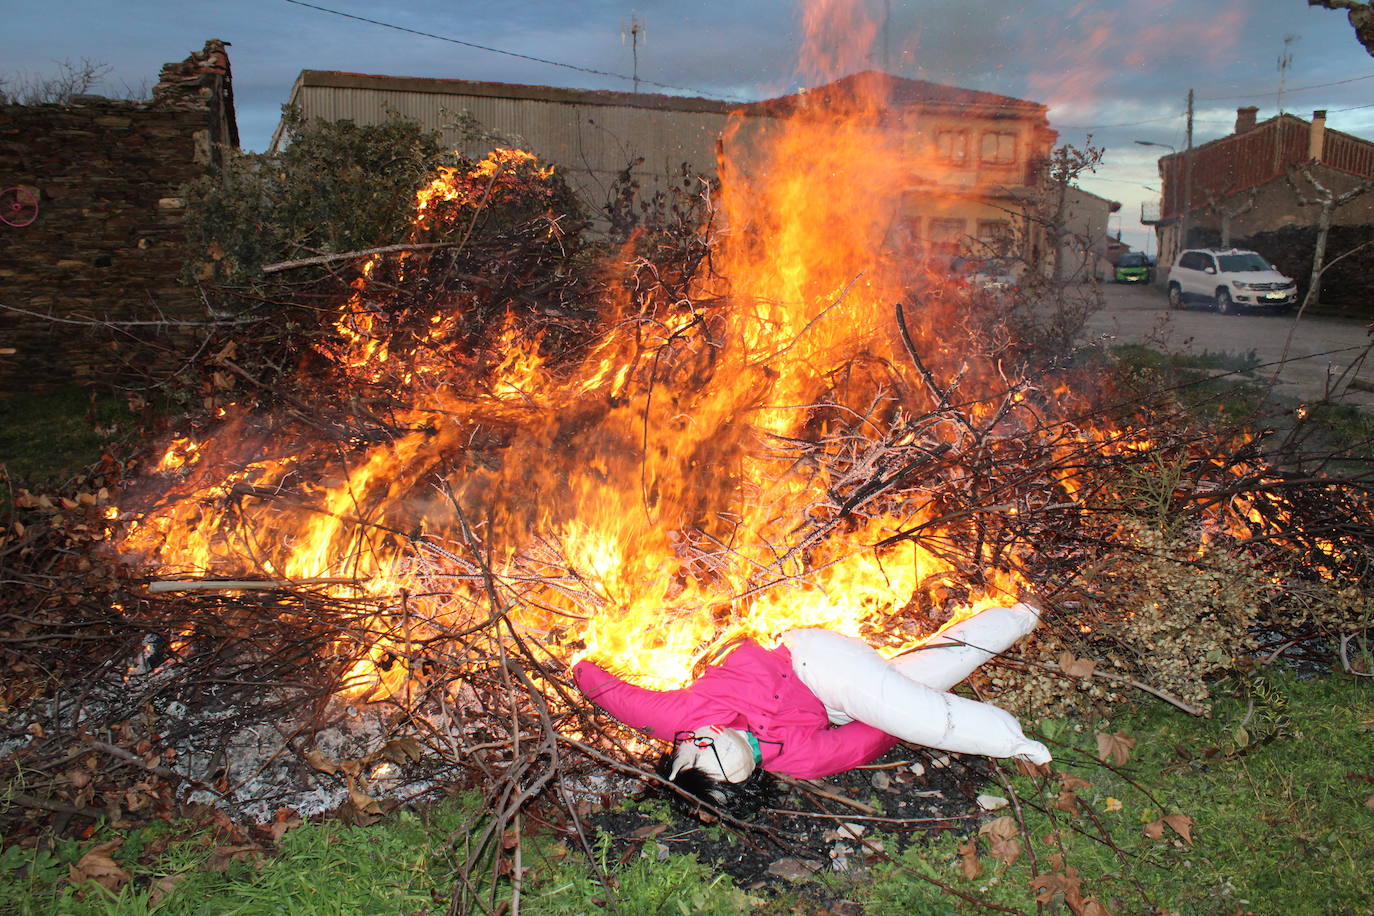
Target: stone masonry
(91, 290)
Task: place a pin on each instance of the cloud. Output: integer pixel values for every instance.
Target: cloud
(1100, 64)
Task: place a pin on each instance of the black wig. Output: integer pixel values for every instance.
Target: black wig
(737, 799)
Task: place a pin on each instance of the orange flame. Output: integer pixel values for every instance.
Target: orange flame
(643, 500)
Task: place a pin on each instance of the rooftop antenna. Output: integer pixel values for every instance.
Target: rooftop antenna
(1285, 63)
(635, 29)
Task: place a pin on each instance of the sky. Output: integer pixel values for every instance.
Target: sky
(1112, 73)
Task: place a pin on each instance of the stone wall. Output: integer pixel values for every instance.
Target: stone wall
(91, 290)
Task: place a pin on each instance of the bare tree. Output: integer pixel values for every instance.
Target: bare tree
(1327, 202)
(1360, 14)
(71, 80)
(1228, 210)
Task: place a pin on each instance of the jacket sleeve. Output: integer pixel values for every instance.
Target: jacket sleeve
(656, 713)
(828, 751)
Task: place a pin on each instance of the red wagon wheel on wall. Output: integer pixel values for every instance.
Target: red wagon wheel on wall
(18, 206)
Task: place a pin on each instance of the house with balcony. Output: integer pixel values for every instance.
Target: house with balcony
(976, 160)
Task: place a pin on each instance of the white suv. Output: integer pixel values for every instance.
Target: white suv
(1229, 278)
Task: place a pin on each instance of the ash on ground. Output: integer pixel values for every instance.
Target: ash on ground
(904, 796)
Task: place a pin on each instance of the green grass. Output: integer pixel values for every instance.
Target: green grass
(408, 863)
(327, 868)
(1207, 361)
(45, 439)
(1280, 812)
(1343, 423)
(1218, 387)
(1221, 387)
(1279, 827)
(677, 885)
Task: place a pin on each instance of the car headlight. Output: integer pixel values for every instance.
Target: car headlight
(1239, 285)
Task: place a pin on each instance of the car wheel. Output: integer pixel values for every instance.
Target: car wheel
(1175, 296)
(1224, 304)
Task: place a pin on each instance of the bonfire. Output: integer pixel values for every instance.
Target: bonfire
(472, 485)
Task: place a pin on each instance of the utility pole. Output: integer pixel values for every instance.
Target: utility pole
(1187, 178)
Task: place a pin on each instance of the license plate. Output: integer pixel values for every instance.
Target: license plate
(1274, 297)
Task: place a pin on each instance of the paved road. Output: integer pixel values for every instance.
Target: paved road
(1319, 351)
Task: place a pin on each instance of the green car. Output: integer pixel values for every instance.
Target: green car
(1133, 267)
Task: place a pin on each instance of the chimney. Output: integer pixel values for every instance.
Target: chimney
(1316, 140)
(1245, 118)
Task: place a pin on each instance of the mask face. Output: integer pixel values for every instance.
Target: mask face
(722, 753)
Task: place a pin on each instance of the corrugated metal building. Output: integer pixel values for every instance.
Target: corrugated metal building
(593, 136)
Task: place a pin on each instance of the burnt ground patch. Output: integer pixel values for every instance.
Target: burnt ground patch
(839, 827)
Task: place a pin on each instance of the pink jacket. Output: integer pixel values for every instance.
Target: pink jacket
(754, 689)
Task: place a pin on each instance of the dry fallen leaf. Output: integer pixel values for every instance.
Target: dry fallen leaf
(969, 864)
(649, 830)
(225, 828)
(161, 887)
(1182, 824)
(99, 866)
(1075, 667)
(284, 821)
(1004, 837)
(318, 761)
(846, 831)
(1093, 907)
(1369, 802)
(1112, 804)
(402, 750)
(222, 856)
(794, 869)
(1066, 884)
(363, 802)
(1115, 748)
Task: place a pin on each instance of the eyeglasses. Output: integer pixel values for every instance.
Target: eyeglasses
(701, 742)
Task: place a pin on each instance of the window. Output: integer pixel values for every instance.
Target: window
(994, 236)
(1236, 263)
(946, 235)
(952, 145)
(999, 147)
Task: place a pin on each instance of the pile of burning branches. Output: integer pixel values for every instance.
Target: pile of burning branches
(366, 585)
